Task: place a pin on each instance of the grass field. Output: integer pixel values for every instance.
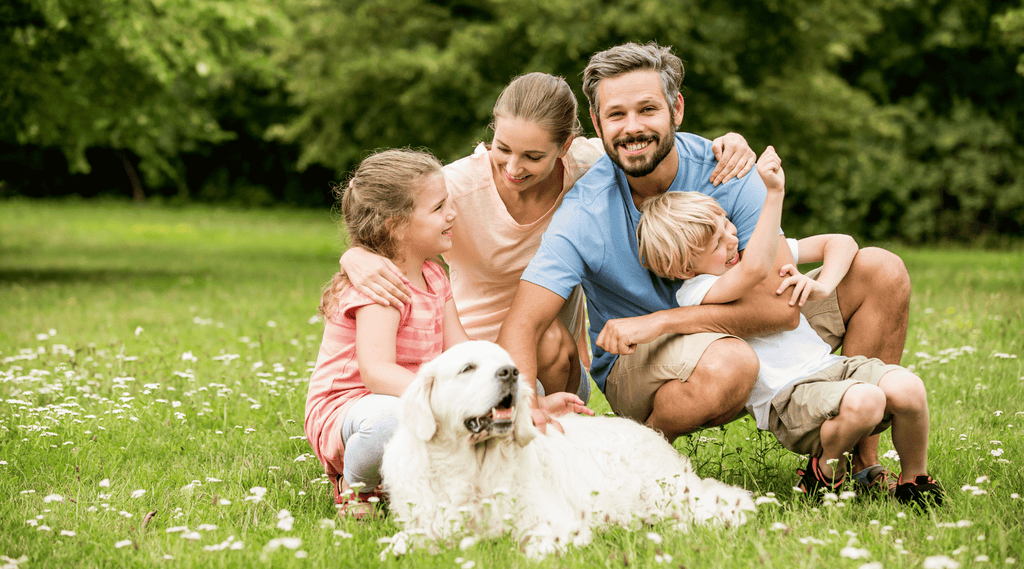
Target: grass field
(153, 371)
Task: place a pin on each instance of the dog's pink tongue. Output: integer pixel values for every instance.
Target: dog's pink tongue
(499, 414)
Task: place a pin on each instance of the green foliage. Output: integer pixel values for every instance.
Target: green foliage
(136, 75)
(895, 119)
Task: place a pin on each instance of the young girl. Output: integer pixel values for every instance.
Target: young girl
(396, 205)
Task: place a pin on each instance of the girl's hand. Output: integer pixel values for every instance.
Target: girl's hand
(735, 158)
(804, 287)
(375, 276)
(769, 166)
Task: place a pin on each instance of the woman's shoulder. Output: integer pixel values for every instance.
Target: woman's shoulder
(470, 173)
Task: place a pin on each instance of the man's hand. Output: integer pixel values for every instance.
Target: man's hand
(545, 409)
(804, 287)
(622, 335)
(735, 158)
(562, 403)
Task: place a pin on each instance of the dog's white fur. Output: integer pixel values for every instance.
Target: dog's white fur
(445, 481)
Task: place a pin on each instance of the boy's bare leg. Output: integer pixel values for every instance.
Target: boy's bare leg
(874, 299)
(861, 410)
(907, 401)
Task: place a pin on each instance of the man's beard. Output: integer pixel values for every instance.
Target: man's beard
(641, 166)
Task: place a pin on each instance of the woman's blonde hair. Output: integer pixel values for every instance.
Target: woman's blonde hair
(376, 204)
(543, 99)
(674, 227)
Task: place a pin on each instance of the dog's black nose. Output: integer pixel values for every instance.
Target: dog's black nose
(507, 373)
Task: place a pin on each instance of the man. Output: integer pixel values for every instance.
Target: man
(678, 369)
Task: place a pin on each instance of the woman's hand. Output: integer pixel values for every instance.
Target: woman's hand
(735, 158)
(375, 276)
(804, 287)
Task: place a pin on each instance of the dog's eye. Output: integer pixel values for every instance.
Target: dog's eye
(467, 368)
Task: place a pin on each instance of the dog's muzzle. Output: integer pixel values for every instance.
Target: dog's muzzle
(499, 420)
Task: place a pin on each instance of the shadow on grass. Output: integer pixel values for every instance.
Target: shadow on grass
(100, 275)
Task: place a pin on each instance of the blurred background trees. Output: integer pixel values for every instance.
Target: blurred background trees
(894, 118)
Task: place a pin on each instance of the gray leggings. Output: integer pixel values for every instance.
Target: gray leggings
(368, 425)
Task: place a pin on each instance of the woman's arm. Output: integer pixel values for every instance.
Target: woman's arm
(376, 339)
(454, 333)
(375, 276)
(735, 158)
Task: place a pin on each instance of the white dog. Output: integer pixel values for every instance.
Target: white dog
(468, 461)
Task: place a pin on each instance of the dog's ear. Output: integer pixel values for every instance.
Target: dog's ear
(523, 429)
(417, 412)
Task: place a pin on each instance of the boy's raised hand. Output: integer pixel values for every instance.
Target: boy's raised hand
(804, 288)
(769, 166)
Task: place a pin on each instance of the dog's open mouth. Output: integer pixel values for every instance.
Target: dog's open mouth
(497, 421)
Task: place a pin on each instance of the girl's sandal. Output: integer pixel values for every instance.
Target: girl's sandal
(357, 509)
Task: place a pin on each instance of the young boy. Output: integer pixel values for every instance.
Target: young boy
(814, 402)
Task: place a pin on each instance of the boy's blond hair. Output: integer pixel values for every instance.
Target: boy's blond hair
(674, 228)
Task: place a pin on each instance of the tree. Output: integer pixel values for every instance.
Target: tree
(135, 75)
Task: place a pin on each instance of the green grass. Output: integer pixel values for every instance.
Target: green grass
(100, 300)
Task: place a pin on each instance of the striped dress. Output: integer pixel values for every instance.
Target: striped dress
(336, 382)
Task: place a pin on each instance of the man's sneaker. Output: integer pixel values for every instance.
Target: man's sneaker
(813, 482)
(876, 480)
(923, 491)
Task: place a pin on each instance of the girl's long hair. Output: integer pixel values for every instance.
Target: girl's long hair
(376, 204)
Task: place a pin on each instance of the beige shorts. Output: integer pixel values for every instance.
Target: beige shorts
(797, 413)
(824, 316)
(634, 378)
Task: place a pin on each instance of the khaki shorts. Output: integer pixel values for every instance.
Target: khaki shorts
(634, 378)
(797, 413)
(824, 316)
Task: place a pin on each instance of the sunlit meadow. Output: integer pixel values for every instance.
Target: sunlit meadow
(153, 372)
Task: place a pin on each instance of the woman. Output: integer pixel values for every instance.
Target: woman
(504, 195)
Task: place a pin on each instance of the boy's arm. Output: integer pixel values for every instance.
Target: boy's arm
(836, 250)
(376, 339)
(757, 259)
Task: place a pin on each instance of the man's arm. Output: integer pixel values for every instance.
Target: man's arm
(757, 313)
(533, 309)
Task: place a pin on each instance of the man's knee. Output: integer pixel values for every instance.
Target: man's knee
(727, 372)
(882, 271)
(730, 363)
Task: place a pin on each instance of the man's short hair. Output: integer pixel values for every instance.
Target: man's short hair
(633, 57)
(674, 228)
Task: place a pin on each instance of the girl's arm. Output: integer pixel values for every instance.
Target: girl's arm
(757, 259)
(375, 276)
(454, 333)
(376, 338)
(835, 250)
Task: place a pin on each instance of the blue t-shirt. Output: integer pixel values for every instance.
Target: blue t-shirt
(592, 240)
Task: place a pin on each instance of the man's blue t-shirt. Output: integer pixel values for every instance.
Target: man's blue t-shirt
(592, 240)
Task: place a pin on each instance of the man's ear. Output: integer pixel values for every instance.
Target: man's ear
(678, 108)
(597, 123)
